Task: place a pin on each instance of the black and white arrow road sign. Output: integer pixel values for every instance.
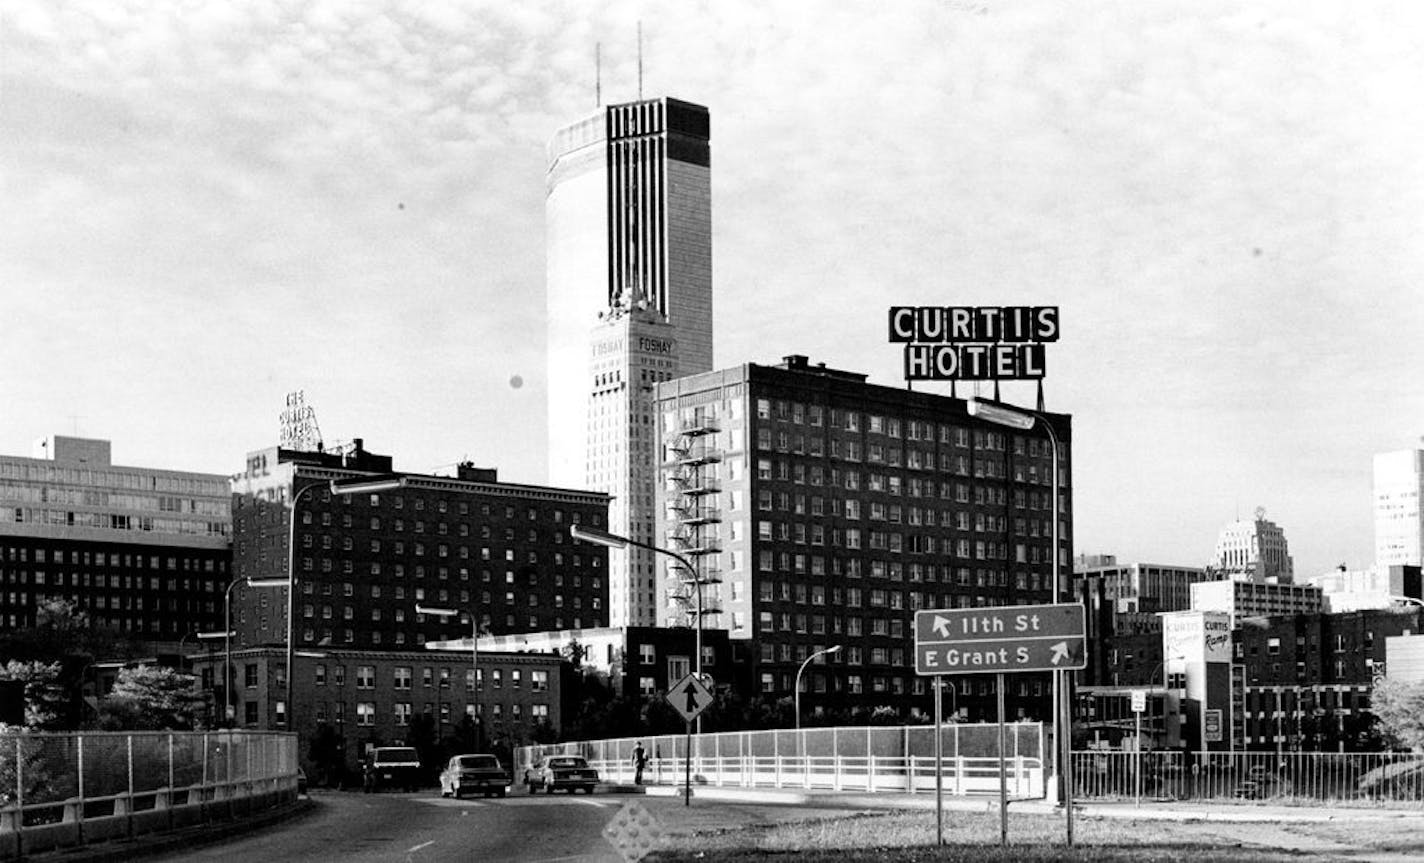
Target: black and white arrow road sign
(690, 696)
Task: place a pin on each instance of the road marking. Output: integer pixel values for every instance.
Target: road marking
(448, 802)
(420, 846)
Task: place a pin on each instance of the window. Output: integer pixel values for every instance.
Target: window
(249, 675)
(365, 677)
(366, 713)
(539, 682)
(402, 678)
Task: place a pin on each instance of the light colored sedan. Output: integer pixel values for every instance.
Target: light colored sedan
(482, 773)
(570, 772)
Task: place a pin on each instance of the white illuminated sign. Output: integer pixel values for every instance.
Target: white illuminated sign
(974, 342)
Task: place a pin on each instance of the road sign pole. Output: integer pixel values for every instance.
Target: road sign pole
(1137, 722)
(687, 787)
(1003, 771)
(939, 762)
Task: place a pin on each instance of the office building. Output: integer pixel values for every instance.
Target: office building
(1143, 587)
(368, 698)
(1253, 550)
(144, 551)
(818, 510)
(632, 349)
(1399, 519)
(629, 238)
(1256, 599)
(1379, 586)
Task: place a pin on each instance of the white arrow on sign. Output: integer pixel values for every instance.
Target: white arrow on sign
(940, 625)
(690, 696)
(1060, 652)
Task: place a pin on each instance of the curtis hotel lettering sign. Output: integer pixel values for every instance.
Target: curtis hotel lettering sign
(974, 343)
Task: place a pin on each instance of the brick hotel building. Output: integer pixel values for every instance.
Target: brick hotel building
(821, 510)
(499, 552)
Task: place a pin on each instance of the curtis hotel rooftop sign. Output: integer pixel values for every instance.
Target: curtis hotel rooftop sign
(973, 343)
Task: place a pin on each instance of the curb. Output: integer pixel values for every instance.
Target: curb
(1156, 811)
(151, 844)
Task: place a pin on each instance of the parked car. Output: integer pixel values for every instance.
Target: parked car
(393, 767)
(569, 772)
(481, 773)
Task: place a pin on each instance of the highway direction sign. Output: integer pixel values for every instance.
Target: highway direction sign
(690, 696)
(1009, 638)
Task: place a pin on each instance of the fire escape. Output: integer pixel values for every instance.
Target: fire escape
(693, 516)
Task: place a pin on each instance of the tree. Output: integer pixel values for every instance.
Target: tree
(1399, 706)
(45, 699)
(149, 698)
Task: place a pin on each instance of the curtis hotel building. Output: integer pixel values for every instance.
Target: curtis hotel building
(823, 510)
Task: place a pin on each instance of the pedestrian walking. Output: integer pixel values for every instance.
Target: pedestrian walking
(640, 760)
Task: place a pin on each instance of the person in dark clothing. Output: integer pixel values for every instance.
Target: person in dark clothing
(640, 760)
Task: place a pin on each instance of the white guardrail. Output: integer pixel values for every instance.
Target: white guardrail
(66, 790)
(871, 759)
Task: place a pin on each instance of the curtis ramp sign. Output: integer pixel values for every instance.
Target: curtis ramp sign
(1007, 638)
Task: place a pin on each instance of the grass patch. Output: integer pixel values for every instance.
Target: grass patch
(903, 837)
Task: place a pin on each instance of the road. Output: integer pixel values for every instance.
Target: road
(424, 828)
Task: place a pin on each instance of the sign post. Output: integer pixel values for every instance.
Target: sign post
(689, 697)
(999, 640)
(1139, 704)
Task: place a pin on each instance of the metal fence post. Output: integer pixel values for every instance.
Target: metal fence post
(128, 745)
(80, 821)
(19, 799)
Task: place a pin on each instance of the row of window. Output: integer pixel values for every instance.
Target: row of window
(126, 560)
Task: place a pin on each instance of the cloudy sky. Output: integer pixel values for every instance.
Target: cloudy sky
(204, 206)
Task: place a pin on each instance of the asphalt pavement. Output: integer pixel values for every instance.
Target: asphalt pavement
(730, 817)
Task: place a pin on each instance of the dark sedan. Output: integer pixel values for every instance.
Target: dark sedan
(570, 772)
(481, 773)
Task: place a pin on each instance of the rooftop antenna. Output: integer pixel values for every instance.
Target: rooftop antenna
(640, 61)
(597, 74)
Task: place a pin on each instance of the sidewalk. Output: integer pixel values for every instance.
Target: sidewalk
(1193, 810)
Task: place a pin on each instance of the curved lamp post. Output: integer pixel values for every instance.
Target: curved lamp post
(363, 485)
(829, 650)
(229, 710)
(436, 611)
(1023, 420)
(613, 540)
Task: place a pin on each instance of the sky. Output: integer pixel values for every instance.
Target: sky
(206, 206)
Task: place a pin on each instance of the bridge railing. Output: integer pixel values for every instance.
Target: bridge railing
(1292, 778)
(870, 758)
(61, 790)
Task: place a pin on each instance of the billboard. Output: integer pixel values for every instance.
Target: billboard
(974, 342)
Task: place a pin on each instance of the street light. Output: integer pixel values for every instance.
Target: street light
(829, 650)
(613, 540)
(360, 485)
(474, 663)
(228, 709)
(1023, 420)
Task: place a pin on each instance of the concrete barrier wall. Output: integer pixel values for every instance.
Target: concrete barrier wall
(113, 796)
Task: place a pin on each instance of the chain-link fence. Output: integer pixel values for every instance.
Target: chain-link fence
(875, 758)
(1299, 778)
(72, 789)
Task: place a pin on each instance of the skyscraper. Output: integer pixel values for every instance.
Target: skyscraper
(629, 232)
(1399, 520)
(1254, 550)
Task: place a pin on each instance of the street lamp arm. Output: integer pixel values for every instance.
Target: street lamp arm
(835, 648)
(613, 540)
